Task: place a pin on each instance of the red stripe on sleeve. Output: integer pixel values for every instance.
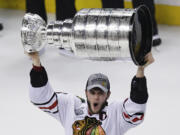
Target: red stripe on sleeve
(126, 115)
(136, 119)
(37, 68)
(50, 107)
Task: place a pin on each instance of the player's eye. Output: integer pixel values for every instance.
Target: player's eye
(92, 92)
(100, 93)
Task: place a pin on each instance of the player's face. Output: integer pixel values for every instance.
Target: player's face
(96, 98)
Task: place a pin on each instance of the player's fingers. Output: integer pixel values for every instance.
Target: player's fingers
(149, 61)
(149, 57)
(33, 53)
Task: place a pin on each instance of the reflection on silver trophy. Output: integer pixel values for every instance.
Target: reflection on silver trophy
(98, 34)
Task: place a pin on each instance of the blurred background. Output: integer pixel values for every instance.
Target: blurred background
(17, 114)
(167, 11)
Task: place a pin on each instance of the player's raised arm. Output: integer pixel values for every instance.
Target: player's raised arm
(56, 104)
(134, 107)
(139, 93)
(40, 92)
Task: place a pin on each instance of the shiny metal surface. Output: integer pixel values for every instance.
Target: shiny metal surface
(57, 33)
(66, 34)
(50, 27)
(99, 34)
(32, 26)
(79, 33)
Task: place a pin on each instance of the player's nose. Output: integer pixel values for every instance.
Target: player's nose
(96, 97)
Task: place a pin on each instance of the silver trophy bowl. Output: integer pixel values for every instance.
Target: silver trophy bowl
(97, 34)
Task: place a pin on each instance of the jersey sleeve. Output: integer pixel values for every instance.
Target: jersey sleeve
(57, 104)
(132, 114)
(132, 110)
(45, 99)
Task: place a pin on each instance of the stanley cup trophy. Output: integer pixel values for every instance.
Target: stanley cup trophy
(97, 34)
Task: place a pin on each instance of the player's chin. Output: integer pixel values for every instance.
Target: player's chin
(96, 108)
(95, 111)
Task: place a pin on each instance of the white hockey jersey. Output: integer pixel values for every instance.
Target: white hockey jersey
(72, 112)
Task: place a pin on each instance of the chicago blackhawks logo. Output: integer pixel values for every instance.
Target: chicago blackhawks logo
(88, 126)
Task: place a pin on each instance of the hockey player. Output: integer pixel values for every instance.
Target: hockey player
(93, 116)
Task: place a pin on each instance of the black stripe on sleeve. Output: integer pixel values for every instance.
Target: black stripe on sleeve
(139, 93)
(52, 112)
(38, 78)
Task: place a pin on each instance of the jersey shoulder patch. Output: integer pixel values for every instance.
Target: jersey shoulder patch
(82, 99)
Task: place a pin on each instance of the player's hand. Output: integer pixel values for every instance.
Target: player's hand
(149, 60)
(35, 58)
(33, 55)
